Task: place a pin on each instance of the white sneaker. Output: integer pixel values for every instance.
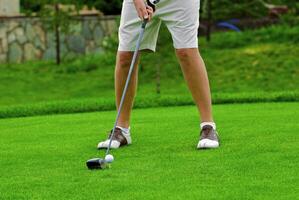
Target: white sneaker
(120, 138)
(209, 138)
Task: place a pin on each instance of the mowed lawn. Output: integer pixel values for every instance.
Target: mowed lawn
(44, 157)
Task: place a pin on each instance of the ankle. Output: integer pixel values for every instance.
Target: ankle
(123, 124)
(211, 123)
(126, 130)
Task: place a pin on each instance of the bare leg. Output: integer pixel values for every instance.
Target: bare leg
(123, 62)
(195, 74)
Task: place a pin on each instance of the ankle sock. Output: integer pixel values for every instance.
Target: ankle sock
(126, 130)
(208, 123)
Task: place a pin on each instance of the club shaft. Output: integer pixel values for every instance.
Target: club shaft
(133, 63)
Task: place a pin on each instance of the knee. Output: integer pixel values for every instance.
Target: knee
(183, 54)
(124, 60)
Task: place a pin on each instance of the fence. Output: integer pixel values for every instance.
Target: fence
(26, 38)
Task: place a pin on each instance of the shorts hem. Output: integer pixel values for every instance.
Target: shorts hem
(142, 47)
(186, 47)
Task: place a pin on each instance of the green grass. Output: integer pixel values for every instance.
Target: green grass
(105, 104)
(44, 157)
(263, 60)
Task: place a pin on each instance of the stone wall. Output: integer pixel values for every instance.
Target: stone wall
(24, 38)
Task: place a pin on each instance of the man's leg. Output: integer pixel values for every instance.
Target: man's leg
(122, 134)
(195, 74)
(129, 30)
(123, 62)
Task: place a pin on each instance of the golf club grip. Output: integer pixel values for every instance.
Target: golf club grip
(133, 62)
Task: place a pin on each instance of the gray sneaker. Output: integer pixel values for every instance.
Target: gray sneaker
(209, 138)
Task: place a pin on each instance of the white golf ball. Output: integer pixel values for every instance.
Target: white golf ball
(109, 158)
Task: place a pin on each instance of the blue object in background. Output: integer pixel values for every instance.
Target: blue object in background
(229, 24)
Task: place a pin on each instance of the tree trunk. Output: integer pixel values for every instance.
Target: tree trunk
(200, 11)
(209, 20)
(57, 35)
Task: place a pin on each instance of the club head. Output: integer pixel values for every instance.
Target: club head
(96, 163)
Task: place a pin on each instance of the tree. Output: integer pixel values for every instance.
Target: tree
(108, 7)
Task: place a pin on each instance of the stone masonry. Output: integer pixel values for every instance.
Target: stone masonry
(24, 38)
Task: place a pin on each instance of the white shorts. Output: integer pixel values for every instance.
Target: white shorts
(180, 16)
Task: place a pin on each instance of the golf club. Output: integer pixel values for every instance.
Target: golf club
(98, 163)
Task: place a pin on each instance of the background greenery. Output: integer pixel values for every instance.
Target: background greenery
(222, 9)
(261, 60)
(227, 9)
(109, 7)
